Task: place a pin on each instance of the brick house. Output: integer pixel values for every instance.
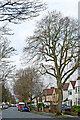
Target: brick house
(50, 95)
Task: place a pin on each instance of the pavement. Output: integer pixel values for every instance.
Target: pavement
(49, 114)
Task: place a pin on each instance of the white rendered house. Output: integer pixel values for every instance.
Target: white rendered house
(71, 93)
(77, 92)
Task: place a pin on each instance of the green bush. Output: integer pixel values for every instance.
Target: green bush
(28, 102)
(47, 106)
(40, 105)
(58, 113)
(71, 113)
(76, 108)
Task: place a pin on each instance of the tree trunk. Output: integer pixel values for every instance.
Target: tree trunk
(30, 103)
(60, 99)
(37, 103)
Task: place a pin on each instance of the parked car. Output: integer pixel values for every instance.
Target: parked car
(0, 106)
(14, 105)
(9, 105)
(66, 108)
(25, 108)
(20, 105)
(5, 106)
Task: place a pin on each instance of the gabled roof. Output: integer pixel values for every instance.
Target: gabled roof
(48, 91)
(73, 83)
(78, 78)
(65, 87)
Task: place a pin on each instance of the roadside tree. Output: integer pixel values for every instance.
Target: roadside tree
(54, 47)
(7, 96)
(5, 53)
(27, 85)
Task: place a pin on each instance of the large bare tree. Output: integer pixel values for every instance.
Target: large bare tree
(54, 46)
(28, 84)
(20, 10)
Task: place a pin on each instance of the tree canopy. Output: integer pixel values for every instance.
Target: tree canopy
(20, 10)
(55, 43)
(28, 84)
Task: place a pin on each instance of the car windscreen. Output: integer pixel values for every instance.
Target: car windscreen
(21, 105)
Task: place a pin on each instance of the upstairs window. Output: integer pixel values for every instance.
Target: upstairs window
(70, 92)
(76, 90)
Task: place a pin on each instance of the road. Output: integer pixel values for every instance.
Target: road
(0, 114)
(14, 113)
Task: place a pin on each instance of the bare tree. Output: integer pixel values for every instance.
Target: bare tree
(6, 95)
(20, 10)
(55, 45)
(28, 85)
(5, 53)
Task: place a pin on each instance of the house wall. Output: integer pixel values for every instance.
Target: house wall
(54, 99)
(65, 94)
(71, 97)
(77, 93)
(49, 98)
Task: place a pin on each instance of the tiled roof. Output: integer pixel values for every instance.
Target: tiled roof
(48, 91)
(73, 83)
(65, 87)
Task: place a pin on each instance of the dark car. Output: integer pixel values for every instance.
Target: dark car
(66, 108)
(25, 108)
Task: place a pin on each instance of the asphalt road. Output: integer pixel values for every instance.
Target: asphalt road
(13, 114)
(0, 114)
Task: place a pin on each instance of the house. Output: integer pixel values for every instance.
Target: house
(55, 95)
(77, 92)
(50, 96)
(65, 92)
(71, 93)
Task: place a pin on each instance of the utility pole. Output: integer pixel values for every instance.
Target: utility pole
(79, 38)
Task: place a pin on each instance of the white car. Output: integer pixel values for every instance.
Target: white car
(0, 106)
(5, 106)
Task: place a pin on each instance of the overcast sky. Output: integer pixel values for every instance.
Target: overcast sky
(25, 29)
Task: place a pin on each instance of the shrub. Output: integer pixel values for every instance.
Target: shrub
(76, 108)
(40, 105)
(71, 113)
(28, 102)
(58, 113)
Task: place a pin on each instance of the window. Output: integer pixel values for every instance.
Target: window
(78, 101)
(53, 95)
(70, 92)
(78, 89)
